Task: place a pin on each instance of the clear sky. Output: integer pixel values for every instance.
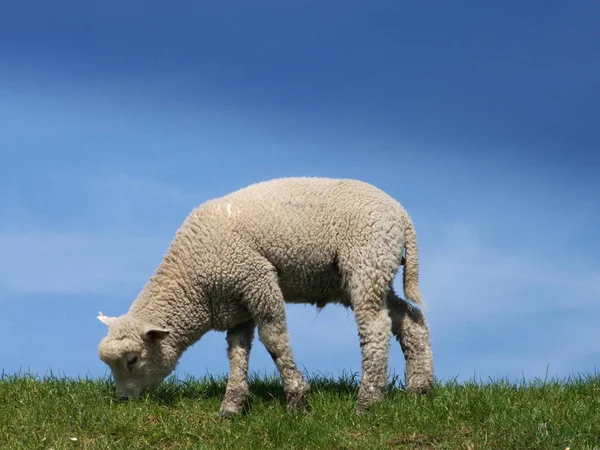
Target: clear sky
(117, 118)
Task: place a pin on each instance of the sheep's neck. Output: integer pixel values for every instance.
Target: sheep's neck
(174, 305)
(173, 295)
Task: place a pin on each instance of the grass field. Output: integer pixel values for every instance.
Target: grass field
(61, 413)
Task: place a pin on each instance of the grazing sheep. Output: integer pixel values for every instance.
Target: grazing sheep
(237, 259)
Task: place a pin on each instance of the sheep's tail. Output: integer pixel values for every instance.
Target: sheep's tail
(411, 263)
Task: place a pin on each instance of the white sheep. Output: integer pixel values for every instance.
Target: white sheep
(237, 259)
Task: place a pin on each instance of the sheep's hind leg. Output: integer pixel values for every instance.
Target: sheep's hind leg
(374, 331)
(239, 340)
(410, 328)
(267, 306)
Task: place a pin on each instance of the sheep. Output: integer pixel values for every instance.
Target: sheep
(236, 260)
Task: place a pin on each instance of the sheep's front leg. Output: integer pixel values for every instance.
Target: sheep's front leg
(274, 336)
(239, 340)
(266, 304)
(409, 326)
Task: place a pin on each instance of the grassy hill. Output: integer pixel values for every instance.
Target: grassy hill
(60, 413)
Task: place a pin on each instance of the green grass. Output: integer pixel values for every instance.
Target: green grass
(51, 412)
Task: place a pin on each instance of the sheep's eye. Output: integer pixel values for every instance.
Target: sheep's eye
(132, 360)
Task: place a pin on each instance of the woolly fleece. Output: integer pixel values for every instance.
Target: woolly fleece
(236, 260)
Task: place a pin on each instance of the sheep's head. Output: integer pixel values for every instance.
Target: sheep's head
(137, 353)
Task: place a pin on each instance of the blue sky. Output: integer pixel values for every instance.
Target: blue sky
(117, 119)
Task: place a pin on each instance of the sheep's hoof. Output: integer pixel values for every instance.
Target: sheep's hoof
(233, 403)
(228, 410)
(418, 391)
(297, 409)
(368, 397)
(228, 414)
(361, 409)
(297, 399)
(364, 404)
(419, 385)
(298, 402)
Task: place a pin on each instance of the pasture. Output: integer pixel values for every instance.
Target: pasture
(60, 413)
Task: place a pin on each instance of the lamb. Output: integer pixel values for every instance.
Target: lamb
(236, 260)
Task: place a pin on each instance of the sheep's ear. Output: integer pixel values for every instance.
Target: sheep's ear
(108, 321)
(154, 334)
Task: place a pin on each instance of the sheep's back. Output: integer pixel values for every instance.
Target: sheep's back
(300, 224)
